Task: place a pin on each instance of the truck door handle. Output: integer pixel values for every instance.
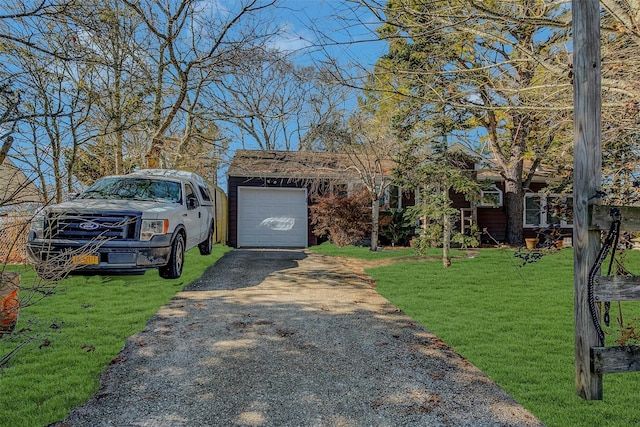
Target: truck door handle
(199, 214)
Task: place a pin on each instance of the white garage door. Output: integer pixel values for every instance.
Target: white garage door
(272, 217)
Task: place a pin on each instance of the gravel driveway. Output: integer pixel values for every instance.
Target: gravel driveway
(290, 338)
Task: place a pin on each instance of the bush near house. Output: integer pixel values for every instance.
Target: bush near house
(343, 219)
(396, 228)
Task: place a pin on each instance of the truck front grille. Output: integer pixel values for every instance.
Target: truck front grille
(105, 226)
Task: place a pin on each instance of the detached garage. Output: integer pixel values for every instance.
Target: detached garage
(269, 195)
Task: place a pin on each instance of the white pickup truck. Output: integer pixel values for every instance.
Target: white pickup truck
(126, 224)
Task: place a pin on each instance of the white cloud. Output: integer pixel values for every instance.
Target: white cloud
(291, 39)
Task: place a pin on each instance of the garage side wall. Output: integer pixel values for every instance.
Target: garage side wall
(235, 182)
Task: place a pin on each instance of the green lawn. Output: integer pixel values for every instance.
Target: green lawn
(76, 333)
(516, 325)
(365, 254)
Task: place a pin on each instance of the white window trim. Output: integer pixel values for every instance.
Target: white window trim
(494, 190)
(543, 210)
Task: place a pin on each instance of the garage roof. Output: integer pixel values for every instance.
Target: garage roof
(299, 164)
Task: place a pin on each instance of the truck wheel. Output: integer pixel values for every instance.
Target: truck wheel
(207, 245)
(173, 269)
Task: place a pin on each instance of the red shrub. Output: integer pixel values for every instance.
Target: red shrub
(344, 219)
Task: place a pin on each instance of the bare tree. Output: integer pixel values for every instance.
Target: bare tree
(270, 103)
(371, 148)
(9, 103)
(27, 25)
(18, 38)
(189, 38)
(116, 83)
(34, 44)
(261, 99)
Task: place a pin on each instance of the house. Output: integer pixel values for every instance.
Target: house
(541, 209)
(269, 193)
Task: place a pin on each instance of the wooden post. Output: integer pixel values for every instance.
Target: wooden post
(586, 183)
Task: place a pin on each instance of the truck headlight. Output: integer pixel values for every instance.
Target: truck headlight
(151, 227)
(37, 226)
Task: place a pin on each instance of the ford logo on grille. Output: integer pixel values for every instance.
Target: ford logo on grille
(89, 226)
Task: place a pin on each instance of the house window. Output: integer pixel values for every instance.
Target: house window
(491, 197)
(392, 198)
(541, 210)
(532, 210)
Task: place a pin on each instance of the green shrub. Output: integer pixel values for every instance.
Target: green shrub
(396, 227)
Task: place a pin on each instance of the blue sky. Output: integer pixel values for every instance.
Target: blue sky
(311, 30)
(348, 26)
(345, 30)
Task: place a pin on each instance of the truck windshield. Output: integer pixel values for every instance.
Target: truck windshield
(134, 189)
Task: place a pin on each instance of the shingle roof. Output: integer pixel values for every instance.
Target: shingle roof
(297, 164)
(322, 165)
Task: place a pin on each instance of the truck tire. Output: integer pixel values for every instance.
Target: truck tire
(206, 246)
(173, 269)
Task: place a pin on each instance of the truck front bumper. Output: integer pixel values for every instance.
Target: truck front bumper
(110, 257)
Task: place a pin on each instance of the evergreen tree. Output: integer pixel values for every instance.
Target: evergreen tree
(501, 67)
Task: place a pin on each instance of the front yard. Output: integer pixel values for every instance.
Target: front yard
(516, 325)
(75, 333)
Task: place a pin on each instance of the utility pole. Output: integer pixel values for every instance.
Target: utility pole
(586, 183)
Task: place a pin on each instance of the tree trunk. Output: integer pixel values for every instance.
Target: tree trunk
(375, 216)
(514, 204)
(119, 146)
(6, 146)
(446, 240)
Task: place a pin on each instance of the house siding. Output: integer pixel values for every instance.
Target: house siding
(494, 221)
